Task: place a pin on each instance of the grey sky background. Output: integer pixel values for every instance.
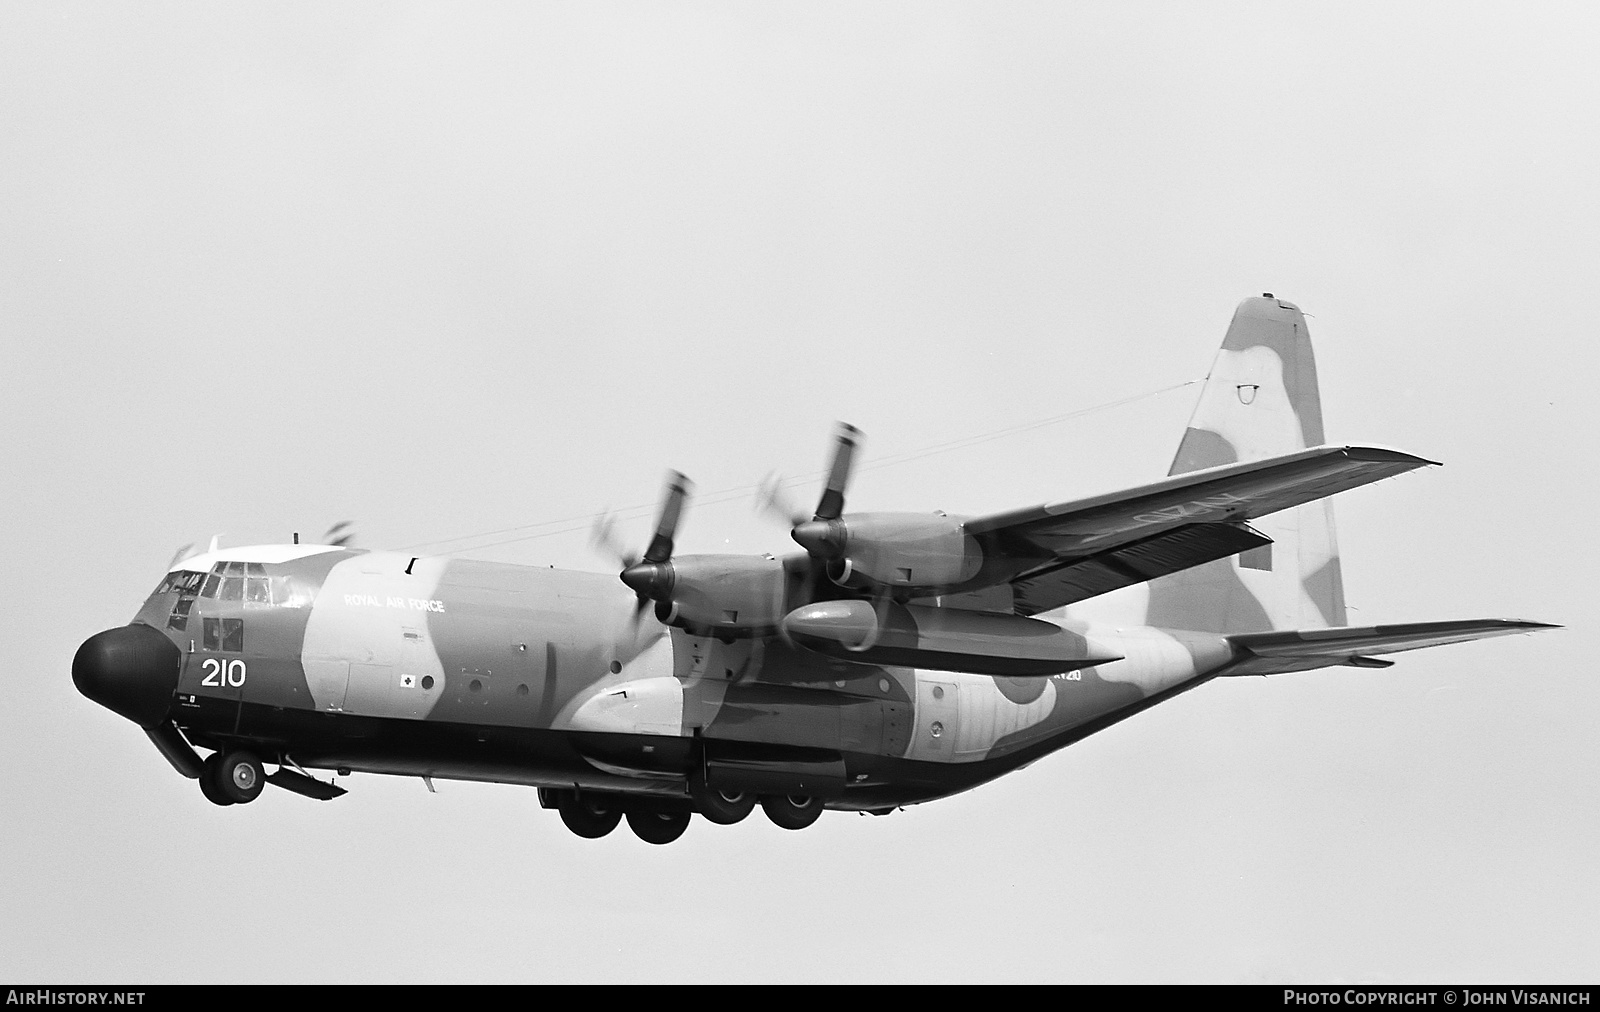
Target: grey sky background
(451, 269)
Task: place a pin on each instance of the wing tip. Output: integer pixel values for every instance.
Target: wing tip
(1387, 455)
(1528, 625)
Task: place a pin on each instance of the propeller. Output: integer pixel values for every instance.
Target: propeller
(772, 497)
(603, 539)
(340, 534)
(823, 536)
(651, 577)
(831, 505)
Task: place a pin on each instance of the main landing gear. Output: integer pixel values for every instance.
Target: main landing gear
(719, 805)
(791, 811)
(591, 816)
(653, 819)
(234, 777)
(658, 827)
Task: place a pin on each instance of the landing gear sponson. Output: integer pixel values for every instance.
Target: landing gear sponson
(236, 776)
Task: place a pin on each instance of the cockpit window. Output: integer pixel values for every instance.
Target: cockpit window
(185, 584)
(183, 581)
(239, 581)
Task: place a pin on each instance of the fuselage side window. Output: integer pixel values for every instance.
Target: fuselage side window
(225, 634)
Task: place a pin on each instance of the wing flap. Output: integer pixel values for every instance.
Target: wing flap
(1269, 653)
(1074, 580)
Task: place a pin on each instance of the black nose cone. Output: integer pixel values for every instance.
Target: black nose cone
(132, 671)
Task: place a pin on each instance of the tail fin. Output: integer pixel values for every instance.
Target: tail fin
(1259, 400)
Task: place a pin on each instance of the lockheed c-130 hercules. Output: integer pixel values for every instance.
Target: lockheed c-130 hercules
(897, 659)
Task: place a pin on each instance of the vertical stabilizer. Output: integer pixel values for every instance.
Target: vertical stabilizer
(1259, 400)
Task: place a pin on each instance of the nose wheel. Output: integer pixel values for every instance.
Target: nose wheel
(234, 777)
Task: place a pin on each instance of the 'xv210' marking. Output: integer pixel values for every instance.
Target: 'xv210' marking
(1210, 504)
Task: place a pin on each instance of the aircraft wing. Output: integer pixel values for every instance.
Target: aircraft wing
(1268, 653)
(1090, 546)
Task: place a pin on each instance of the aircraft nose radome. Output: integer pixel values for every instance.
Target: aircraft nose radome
(132, 671)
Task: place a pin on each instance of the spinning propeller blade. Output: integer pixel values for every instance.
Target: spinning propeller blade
(651, 577)
(660, 549)
(822, 536)
(603, 538)
(819, 535)
(844, 450)
(773, 498)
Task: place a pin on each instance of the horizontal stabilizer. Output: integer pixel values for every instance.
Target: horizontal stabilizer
(1269, 653)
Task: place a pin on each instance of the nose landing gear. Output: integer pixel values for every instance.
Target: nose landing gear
(234, 777)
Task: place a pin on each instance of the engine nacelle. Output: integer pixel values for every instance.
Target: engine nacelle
(900, 550)
(737, 596)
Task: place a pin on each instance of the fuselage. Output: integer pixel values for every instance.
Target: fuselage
(384, 662)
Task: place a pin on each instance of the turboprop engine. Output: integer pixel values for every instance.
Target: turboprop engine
(907, 554)
(714, 595)
(903, 555)
(896, 550)
(728, 596)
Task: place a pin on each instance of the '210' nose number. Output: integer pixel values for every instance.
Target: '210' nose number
(222, 674)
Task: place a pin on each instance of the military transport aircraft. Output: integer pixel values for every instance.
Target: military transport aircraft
(899, 658)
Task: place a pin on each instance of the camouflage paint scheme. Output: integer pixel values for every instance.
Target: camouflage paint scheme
(438, 667)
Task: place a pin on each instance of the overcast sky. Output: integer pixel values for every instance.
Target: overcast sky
(454, 269)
